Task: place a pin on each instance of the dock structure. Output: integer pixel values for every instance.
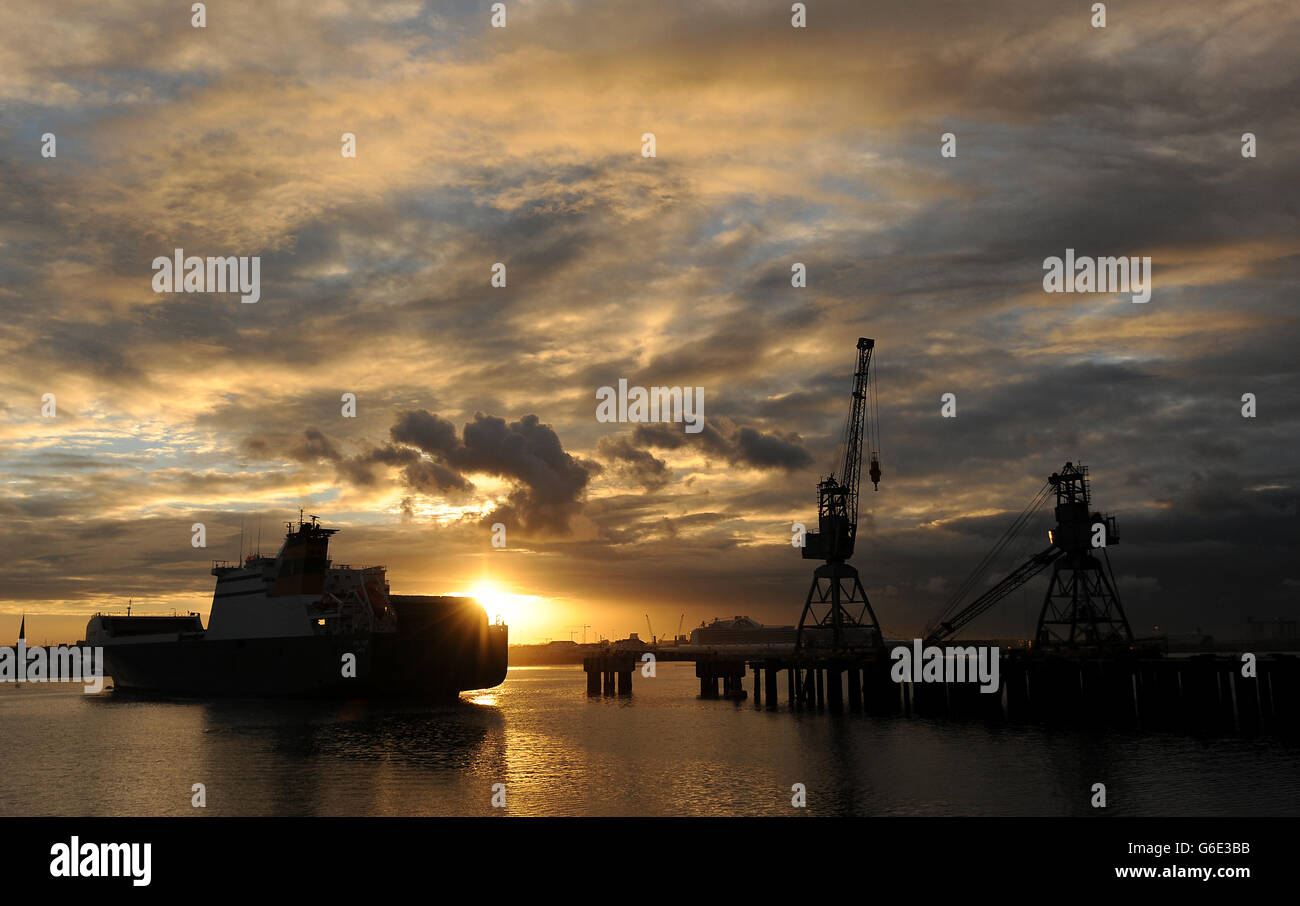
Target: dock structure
(1200, 693)
(610, 674)
(729, 671)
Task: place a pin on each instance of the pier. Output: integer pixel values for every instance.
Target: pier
(1199, 693)
(610, 674)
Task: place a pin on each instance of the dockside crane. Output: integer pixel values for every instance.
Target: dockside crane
(1081, 607)
(836, 598)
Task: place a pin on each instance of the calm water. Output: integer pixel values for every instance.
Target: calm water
(662, 752)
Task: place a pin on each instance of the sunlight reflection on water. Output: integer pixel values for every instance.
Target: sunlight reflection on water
(661, 752)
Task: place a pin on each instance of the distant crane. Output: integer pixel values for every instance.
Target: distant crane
(1081, 606)
(679, 628)
(836, 597)
(651, 628)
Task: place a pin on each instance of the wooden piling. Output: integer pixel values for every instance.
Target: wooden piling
(853, 677)
(834, 689)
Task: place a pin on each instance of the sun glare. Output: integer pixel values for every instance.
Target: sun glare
(498, 603)
(530, 617)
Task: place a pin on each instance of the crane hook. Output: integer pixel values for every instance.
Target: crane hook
(874, 471)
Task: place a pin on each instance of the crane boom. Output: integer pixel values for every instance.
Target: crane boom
(852, 471)
(1018, 577)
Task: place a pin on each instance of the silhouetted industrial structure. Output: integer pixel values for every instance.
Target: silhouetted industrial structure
(1083, 666)
(1081, 606)
(836, 597)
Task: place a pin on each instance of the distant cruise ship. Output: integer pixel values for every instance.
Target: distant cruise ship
(742, 631)
(286, 626)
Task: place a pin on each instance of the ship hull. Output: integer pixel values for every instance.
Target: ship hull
(442, 647)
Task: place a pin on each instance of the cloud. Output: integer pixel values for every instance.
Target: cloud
(549, 483)
(427, 432)
(734, 444)
(641, 466)
(774, 147)
(313, 447)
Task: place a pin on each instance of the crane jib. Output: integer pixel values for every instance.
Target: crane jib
(837, 501)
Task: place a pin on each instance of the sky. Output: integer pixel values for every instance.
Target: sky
(475, 404)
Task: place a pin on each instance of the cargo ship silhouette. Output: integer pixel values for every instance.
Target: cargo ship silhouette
(296, 625)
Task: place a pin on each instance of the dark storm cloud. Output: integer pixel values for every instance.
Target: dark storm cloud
(314, 446)
(735, 444)
(434, 458)
(418, 473)
(435, 436)
(626, 523)
(641, 466)
(434, 477)
(770, 451)
(550, 482)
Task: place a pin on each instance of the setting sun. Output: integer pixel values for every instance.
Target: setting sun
(512, 609)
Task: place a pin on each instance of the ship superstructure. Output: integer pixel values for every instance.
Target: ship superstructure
(297, 624)
(299, 592)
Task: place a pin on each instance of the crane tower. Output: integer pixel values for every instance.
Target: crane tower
(836, 599)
